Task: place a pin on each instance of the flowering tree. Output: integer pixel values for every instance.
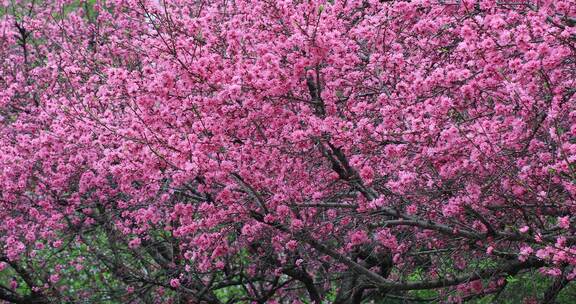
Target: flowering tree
(285, 151)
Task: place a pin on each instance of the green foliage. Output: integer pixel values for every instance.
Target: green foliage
(526, 286)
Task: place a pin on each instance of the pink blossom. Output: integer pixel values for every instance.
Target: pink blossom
(358, 237)
(292, 245)
(367, 174)
(525, 252)
(247, 139)
(297, 224)
(54, 278)
(489, 250)
(175, 283)
(135, 243)
(564, 222)
(387, 239)
(411, 209)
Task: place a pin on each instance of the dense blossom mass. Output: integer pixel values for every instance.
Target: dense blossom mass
(290, 151)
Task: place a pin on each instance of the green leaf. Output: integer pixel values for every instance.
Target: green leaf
(511, 279)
